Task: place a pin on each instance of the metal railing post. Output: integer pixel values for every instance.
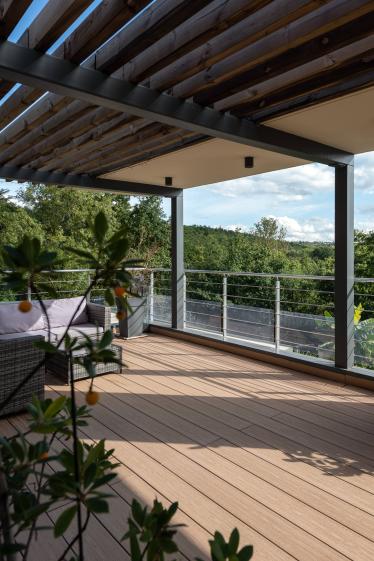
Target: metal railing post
(184, 300)
(151, 296)
(88, 298)
(277, 315)
(224, 307)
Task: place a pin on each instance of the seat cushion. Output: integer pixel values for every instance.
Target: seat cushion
(14, 321)
(11, 336)
(61, 311)
(76, 331)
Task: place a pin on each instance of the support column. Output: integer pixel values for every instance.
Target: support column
(344, 266)
(177, 262)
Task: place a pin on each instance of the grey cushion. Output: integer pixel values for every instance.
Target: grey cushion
(61, 311)
(87, 328)
(14, 321)
(11, 336)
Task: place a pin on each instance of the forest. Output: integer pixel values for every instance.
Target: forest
(61, 217)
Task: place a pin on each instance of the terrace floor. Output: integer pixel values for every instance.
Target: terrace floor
(285, 457)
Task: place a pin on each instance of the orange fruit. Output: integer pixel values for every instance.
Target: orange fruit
(119, 291)
(92, 397)
(24, 306)
(121, 315)
(43, 456)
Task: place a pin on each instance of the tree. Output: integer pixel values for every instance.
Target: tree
(149, 232)
(15, 221)
(270, 231)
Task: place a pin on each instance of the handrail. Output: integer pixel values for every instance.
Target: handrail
(225, 273)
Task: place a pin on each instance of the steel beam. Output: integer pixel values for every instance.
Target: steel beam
(20, 64)
(30, 175)
(177, 262)
(344, 267)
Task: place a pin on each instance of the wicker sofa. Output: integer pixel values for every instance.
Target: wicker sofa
(18, 355)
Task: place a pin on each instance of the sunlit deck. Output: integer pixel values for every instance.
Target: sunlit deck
(285, 457)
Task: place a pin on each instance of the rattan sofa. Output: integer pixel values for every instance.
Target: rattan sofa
(18, 355)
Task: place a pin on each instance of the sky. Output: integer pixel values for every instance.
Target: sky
(301, 198)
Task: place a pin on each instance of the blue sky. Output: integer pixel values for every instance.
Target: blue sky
(301, 198)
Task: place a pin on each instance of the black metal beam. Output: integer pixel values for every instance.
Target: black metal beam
(177, 262)
(344, 267)
(20, 64)
(15, 173)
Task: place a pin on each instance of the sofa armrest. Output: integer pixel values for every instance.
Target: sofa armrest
(18, 357)
(100, 315)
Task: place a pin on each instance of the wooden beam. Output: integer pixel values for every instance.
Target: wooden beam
(144, 32)
(155, 152)
(11, 12)
(296, 33)
(349, 77)
(292, 58)
(91, 139)
(141, 143)
(267, 87)
(233, 39)
(211, 21)
(65, 78)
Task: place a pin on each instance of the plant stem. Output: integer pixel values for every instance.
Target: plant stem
(38, 493)
(70, 545)
(6, 531)
(76, 457)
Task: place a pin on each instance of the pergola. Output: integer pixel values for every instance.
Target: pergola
(154, 97)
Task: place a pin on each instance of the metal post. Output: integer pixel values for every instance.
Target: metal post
(88, 297)
(224, 307)
(177, 261)
(277, 315)
(151, 296)
(344, 266)
(184, 300)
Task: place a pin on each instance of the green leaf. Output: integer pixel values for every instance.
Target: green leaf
(100, 227)
(55, 407)
(245, 553)
(234, 541)
(97, 505)
(64, 520)
(106, 339)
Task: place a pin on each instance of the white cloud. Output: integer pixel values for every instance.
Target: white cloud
(289, 185)
(310, 230)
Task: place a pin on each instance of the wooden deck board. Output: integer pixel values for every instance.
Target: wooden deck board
(285, 457)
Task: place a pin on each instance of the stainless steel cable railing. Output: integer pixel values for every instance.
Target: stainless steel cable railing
(284, 313)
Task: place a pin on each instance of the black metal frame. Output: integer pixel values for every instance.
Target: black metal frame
(344, 266)
(177, 262)
(84, 181)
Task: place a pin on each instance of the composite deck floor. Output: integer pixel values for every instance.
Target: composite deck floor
(285, 457)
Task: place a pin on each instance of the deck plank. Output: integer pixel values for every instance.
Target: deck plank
(285, 457)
